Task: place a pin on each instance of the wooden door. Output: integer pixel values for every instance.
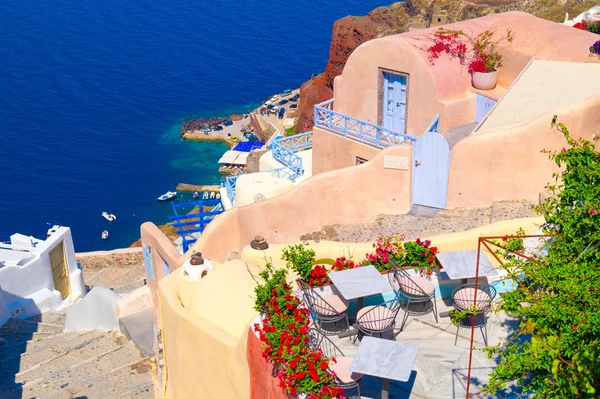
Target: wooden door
(431, 165)
(60, 271)
(394, 102)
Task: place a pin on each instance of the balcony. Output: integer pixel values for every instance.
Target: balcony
(377, 136)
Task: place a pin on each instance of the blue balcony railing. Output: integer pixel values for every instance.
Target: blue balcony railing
(365, 132)
(297, 142)
(284, 150)
(190, 225)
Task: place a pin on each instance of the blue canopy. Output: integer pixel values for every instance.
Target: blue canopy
(248, 146)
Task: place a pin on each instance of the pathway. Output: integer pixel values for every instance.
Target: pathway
(443, 222)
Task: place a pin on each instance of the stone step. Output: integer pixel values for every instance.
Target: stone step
(121, 382)
(50, 317)
(106, 275)
(132, 275)
(74, 374)
(10, 352)
(128, 288)
(55, 357)
(16, 338)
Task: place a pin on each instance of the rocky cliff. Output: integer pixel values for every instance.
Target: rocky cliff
(350, 32)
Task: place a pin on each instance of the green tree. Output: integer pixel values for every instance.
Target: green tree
(556, 353)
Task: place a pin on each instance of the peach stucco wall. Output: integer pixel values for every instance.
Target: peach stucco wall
(445, 87)
(509, 164)
(332, 151)
(351, 195)
(357, 90)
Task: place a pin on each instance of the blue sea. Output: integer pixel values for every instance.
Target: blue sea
(92, 94)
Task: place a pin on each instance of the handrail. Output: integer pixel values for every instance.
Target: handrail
(365, 132)
(287, 158)
(297, 142)
(230, 183)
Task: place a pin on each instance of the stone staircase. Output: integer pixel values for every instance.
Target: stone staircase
(39, 360)
(121, 280)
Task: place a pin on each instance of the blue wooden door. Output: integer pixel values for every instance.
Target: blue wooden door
(394, 102)
(431, 164)
(483, 106)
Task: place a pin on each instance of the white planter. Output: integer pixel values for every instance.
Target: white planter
(485, 80)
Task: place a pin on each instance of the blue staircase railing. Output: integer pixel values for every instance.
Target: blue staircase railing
(188, 224)
(284, 150)
(365, 132)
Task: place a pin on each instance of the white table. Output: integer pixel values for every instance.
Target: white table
(388, 360)
(463, 264)
(360, 282)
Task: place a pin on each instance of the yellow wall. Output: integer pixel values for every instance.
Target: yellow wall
(204, 327)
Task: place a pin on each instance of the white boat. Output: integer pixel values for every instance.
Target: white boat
(205, 195)
(196, 195)
(218, 196)
(167, 196)
(104, 234)
(212, 195)
(109, 216)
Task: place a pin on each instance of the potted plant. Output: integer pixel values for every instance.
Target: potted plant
(480, 54)
(421, 256)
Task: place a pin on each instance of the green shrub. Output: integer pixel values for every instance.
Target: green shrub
(272, 280)
(556, 352)
(300, 260)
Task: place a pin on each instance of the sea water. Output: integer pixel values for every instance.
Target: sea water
(92, 95)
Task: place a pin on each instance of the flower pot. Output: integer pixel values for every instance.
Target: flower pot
(485, 80)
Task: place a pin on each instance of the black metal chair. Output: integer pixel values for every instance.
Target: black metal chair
(345, 379)
(415, 289)
(329, 312)
(463, 300)
(379, 320)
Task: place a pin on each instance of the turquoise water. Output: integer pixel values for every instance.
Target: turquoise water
(92, 95)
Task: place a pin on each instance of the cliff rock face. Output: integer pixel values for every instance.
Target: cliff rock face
(348, 33)
(351, 32)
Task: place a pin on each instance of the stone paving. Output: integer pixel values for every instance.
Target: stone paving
(445, 221)
(39, 360)
(441, 368)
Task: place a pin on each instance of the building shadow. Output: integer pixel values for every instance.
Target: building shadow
(15, 333)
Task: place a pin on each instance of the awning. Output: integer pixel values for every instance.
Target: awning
(232, 157)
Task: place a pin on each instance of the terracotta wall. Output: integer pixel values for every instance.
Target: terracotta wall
(351, 195)
(332, 151)
(509, 164)
(263, 383)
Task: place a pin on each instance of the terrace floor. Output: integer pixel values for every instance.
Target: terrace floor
(441, 367)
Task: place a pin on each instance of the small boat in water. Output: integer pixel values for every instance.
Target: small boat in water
(105, 234)
(167, 196)
(218, 196)
(109, 216)
(196, 195)
(205, 195)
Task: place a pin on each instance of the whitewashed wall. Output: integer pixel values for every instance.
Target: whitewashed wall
(27, 287)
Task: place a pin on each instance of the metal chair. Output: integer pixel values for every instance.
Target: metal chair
(378, 320)
(326, 311)
(345, 379)
(415, 289)
(463, 300)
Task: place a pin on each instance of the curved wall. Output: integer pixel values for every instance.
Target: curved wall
(510, 164)
(350, 195)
